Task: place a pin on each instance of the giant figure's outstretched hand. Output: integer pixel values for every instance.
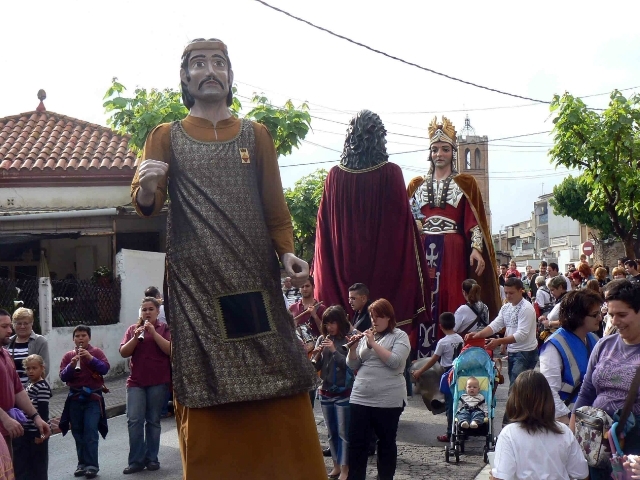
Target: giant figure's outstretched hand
(150, 173)
(295, 268)
(477, 256)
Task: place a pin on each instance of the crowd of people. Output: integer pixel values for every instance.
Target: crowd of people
(25, 393)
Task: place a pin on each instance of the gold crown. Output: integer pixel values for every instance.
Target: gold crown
(442, 132)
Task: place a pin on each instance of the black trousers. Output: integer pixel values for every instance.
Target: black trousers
(30, 460)
(382, 421)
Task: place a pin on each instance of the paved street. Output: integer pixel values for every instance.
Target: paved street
(420, 456)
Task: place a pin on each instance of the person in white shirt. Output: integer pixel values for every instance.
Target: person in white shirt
(557, 288)
(534, 429)
(447, 349)
(563, 357)
(473, 316)
(518, 317)
(543, 299)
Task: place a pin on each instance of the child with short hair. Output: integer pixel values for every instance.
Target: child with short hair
(30, 452)
(472, 408)
(447, 349)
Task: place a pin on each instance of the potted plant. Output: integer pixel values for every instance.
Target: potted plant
(103, 276)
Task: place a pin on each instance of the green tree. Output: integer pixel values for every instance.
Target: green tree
(303, 201)
(603, 146)
(570, 198)
(137, 116)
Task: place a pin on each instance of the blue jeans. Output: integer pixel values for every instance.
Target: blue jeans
(336, 416)
(84, 417)
(144, 405)
(467, 416)
(519, 362)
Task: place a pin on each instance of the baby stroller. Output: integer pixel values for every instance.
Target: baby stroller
(472, 362)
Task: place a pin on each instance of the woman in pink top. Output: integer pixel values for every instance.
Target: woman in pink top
(148, 343)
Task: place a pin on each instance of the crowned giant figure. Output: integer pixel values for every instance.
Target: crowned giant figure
(366, 232)
(449, 211)
(240, 376)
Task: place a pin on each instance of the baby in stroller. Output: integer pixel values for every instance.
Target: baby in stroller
(472, 408)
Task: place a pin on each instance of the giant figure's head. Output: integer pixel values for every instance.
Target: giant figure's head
(365, 145)
(205, 72)
(443, 136)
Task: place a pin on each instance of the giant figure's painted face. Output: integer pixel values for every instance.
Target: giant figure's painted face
(441, 154)
(207, 75)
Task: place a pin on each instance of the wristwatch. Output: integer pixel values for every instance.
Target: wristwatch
(32, 417)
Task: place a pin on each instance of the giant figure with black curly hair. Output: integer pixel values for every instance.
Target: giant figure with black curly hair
(366, 233)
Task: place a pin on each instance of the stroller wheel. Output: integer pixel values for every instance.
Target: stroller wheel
(457, 456)
(446, 453)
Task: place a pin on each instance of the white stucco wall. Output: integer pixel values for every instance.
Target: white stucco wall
(105, 337)
(76, 197)
(137, 270)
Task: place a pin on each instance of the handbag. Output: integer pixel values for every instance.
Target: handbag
(593, 425)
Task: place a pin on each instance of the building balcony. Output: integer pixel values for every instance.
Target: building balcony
(559, 241)
(543, 219)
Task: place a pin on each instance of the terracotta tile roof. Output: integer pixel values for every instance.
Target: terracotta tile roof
(49, 143)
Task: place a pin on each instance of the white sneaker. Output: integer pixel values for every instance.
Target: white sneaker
(474, 424)
(465, 425)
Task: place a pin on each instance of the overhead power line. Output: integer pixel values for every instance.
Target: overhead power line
(406, 62)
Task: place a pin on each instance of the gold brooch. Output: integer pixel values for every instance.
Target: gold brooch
(244, 155)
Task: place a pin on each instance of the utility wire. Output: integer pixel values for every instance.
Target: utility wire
(392, 57)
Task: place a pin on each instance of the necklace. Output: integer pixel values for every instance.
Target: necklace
(439, 198)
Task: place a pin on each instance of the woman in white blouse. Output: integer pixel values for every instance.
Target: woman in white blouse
(473, 316)
(533, 429)
(379, 393)
(579, 315)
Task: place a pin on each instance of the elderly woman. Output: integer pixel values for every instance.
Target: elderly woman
(618, 273)
(379, 393)
(26, 342)
(613, 364)
(337, 381)
(148, 343)
(579, 315)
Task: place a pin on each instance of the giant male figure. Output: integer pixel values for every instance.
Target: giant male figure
(366, 232)
(448, 207)
(241, 379)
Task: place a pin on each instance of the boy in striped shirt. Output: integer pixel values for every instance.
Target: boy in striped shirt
(30, 452)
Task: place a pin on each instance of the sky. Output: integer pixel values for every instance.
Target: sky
(73, 49)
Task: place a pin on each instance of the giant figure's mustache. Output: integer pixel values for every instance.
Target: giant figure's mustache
(208, 79)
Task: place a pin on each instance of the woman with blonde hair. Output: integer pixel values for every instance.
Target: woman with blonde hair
(26, 342)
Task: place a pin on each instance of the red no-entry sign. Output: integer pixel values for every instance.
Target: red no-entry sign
(588, 248)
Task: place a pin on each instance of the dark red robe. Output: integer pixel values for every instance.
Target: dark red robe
(366, 233)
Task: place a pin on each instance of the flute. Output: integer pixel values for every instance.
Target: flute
(316, 357)
(298, 316)
(78, 348)
(356, 338)
(141, 336)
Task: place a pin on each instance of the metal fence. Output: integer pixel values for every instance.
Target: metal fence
(21, 293)
(85, 302)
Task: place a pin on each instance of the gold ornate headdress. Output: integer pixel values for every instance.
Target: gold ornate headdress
(442, 132)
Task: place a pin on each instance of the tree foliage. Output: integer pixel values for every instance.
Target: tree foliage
(604, 146)
(137, 116)
(303, 201)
